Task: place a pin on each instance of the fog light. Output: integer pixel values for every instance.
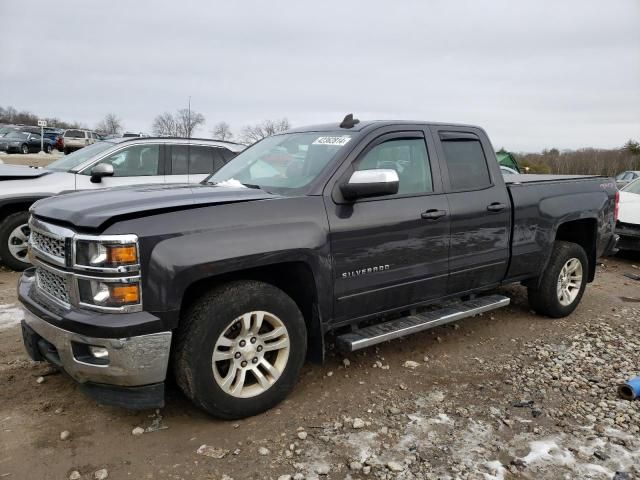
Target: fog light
(98, 352)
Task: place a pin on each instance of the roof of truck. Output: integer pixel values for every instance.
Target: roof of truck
(371, 124)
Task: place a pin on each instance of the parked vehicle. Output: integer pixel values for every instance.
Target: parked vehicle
(24, 142)
(232, 283)
(628, 226)
(104, 164)
(75, 139)
(56, 137)
(624, 178)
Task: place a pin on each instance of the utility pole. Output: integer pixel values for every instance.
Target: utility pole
(189, 119)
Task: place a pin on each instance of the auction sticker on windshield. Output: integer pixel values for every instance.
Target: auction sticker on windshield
(337, 141)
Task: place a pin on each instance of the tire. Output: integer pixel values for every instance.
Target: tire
(24, 149)
(550, 298)
(66, 151)
(13, 245)
(214, 323)
(48, 149)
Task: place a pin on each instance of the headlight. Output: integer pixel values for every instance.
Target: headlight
(109, 294)
(118, 252)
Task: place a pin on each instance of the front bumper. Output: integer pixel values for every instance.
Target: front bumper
(629, 236)
(134, 363)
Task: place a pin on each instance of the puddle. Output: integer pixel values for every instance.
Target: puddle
(10, 315)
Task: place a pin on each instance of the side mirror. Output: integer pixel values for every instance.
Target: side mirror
(371, 183)
(101, 170)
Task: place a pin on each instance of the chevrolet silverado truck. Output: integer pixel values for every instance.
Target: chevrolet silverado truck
(368, 230)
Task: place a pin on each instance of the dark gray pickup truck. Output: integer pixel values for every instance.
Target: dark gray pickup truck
(368, 230)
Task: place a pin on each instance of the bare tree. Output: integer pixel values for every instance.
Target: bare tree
(187, 121)
(222, 131)
(110, 125)
(164, 125)
(253, 133)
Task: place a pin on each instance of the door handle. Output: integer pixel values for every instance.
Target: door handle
(496, 207)
(433, 214)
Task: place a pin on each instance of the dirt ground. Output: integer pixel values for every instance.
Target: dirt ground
(454, 415)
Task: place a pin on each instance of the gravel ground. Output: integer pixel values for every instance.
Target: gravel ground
(506, 395)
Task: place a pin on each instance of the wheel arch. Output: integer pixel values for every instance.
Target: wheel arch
(295, 278)
(583, 232)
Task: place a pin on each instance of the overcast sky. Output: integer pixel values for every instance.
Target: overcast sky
(535, 74)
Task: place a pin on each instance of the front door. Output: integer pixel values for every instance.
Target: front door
(133, 165)
(391, 251)
(480, 209)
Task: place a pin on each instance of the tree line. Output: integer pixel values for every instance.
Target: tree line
(584, 161)
(182, 123)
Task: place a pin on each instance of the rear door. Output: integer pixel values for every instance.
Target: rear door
(480, 209)
(391, 251)
(132, 165)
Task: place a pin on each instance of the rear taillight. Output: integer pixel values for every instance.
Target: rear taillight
(616, 207)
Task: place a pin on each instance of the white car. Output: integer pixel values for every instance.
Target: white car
(75, 139)
(628, 226)
(111, 163)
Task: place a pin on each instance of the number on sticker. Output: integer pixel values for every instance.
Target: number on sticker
(337, 141)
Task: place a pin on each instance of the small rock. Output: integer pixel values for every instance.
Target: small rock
(395, 411)
(213, 452)
(346, 362)
(284, 477)
(323, 469)
(411, 364)
(366, 470)
(600, 455)
(65, 435)
(395, 466)
(75, 475)
(58, 411)
(263, 451)
(355, 466)
(302, 435)
(40, 380)
(329, 374)
(101, 474)
(298, 476)
(358, 423)
(137, 431)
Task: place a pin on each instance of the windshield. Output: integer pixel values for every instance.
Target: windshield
(283, 163)
(633, 187)
(16, 135)
(79, 156)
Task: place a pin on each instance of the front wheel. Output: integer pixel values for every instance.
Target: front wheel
(14, 237)
(239, 349)
(563, 281)
(48, 149)
(25, 149)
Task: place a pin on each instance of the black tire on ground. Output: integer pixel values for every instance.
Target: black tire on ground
(545, 299)
(202, 324)
(6, 227)
(48, 149)
(66, 151)
(24, 149)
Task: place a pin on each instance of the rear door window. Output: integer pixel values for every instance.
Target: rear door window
(200, 159)
(466, 162)
(179, 156)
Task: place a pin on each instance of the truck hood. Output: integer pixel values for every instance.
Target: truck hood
(629, 208)
(21, 172)
(95, 208)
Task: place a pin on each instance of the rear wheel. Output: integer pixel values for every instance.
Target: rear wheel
(14, 237)
(240, 348)
(24, 149)
(563, 281)
(48, 149)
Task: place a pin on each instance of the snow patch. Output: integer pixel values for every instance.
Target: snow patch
(231, 183)
(10, 315)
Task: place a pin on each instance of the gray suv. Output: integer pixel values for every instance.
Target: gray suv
(111, 163)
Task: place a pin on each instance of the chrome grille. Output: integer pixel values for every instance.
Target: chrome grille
(47, 244)
(52, 284)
